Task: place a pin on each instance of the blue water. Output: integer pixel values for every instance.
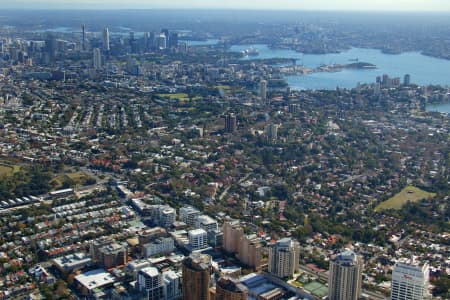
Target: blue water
(442, 107)
(423, 69)
(209, 42)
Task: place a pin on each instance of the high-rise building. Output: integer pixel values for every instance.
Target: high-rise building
(196, 277)
(172, 285)
(230, 123)
(152, 42)
(248, 249)
(407, 79)
(293, 108)
(271, 131)
(189, 215)
(198, 239)
(232, 234)
(410, 281)
(83, 37)
(345, 276)
(106, 39)
(206, 223)
(113, 255)
(263, 90)
(150, 284)
(173, 40)
(97, 59)
(284, 258)
(51, 46)
(250, 252)
(161, 41)
(230, 289)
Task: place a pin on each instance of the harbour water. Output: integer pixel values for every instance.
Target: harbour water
(423, 69)
(439, 107)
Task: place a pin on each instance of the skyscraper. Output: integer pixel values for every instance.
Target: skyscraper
(263, 90)
(196, 277)
(230, 289)
(106, 39)
(173, 40)
(161, 41)
(407, 79)
(284, 258)
(410, 281)
(97, 58)
(345, 276)
(230, 123)
(83, 37)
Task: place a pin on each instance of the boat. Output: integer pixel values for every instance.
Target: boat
(251, 52)
(354, 59)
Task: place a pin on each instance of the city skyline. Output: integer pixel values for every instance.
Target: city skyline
(382, 5)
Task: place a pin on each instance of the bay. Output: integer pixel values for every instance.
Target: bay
(423, 69)
(439, 107)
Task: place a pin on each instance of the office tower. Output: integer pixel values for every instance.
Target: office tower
(161, 42)
(97, 58)
(410, 281)
(196, 277)
(407, 79)
(198, 239)
(271, 131)
(165, 32)
(345, 276)
(152, 42)
(377, 89)
(232, 234)
(263, 90)
(146, 42)
(230, 289)
(230, 123)
(173, 40)
(284, 258)
(106, 39)
(189, 215)
(150, 283)
(83, 37)
(51, 46)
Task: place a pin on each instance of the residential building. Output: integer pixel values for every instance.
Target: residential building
(196, 277)
(284, 258)
(345, 276)
(198, 239)
(230, 289)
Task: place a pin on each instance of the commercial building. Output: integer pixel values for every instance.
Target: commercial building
(345, 276)
(410, 281)
(284, 258)
(106, 39)
(92, 280)
(230, 123)
(196, 277)
(97, 59)
(263, 90)
(232, 234)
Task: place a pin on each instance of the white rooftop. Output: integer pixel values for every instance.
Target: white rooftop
(95, 279)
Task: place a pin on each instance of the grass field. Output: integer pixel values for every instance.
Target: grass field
(78, 178)
(179, 96)
(5, 170)
(409, 193)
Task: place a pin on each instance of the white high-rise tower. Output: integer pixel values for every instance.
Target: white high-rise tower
(410, 281)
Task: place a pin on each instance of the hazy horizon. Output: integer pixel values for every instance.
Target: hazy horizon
(344, 5)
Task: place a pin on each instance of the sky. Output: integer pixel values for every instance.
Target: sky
(375, 5)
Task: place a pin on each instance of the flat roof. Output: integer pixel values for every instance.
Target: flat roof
(95, 279)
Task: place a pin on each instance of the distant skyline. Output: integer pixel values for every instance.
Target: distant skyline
(373, 5)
